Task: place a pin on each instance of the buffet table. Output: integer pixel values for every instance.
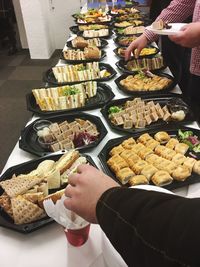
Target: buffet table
(48, 246)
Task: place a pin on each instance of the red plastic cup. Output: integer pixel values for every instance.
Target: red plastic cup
(77, 237)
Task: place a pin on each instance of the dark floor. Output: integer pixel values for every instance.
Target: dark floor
(18, 75)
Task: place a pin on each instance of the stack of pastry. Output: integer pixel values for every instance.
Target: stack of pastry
(159, 159)
(24, 194)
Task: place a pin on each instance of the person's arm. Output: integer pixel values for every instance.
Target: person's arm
(177, 11)
(150, 228)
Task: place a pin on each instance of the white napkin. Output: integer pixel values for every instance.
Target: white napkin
(63, 216)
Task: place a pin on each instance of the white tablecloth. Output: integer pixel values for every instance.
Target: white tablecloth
(48, 247)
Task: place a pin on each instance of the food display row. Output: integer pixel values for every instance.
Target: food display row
(150, 149)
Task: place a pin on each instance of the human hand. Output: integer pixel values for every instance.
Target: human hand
(84, 190)
(189, 36)
(136, 47)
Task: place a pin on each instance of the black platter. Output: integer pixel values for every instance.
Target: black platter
(29, 139)
(50, 78)
(5, 220)
(70, 61)
(162, 100)
(103, 96)
(140, 93)
(172, 131)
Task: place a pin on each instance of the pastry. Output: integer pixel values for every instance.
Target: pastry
(162, 137)
(196, 167)
(181, 173)
(144, 138)
(124, 175)
(161, 178)
(189, 163)
(181, 148)
(138, 166)
(148, 171)
(128, 143)
(178, 159)
(116, 150)
(137, 180)
(137, 147)
(172, 143)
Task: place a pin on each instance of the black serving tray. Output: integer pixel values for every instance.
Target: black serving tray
(116, 40)
(104, 43)
(74, 29)
(103, 96)
(140, 93)
(121, 64)
(80, 33)
(29, 139)
(162, 100)
(147, 56)
(50, 78)
(70, 61)
(171, 130)
(5, 220)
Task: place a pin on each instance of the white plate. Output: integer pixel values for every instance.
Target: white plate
(176, 27)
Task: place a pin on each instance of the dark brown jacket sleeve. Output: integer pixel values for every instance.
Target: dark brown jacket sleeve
(151, 229)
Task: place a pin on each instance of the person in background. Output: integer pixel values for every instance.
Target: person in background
(147, 228)
(177, 58)
(178, 11)
(6, 25)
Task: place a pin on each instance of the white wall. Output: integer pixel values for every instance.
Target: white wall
(47, 24)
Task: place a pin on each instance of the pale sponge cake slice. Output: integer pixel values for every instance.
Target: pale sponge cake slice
(25, 211)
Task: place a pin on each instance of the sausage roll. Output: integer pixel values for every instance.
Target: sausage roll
(124, 175)
(181, 173)
(162, 137)
(181, 148)
(138, 179)
(161, 178)
(148, 171)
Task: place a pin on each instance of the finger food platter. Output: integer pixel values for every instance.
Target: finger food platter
(171, 105)
(119, 51)
(32, 143)
(25, 168)
(178, 182)
(103, 96)
(131, 66)
(140, 91)
(75, 61)
(104, 43)
(50, 78)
